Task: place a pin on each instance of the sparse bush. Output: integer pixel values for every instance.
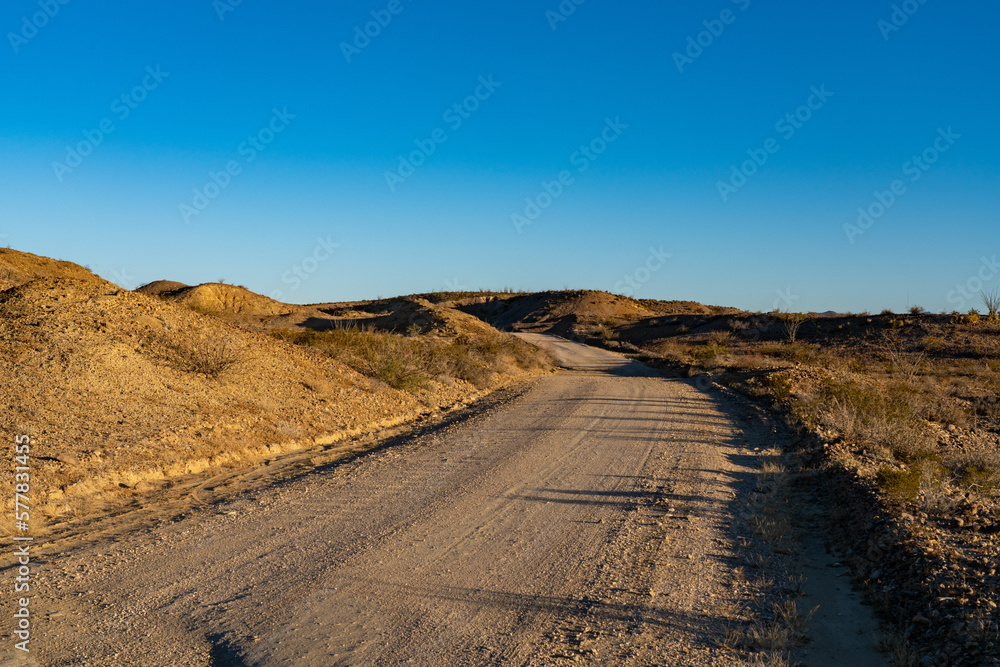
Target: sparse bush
(605, 333)
(900, 484)
(720, 337)
(881, 417)
(902, 362)
(791, 323)
(917, 310)
(991, 299)
(973, 476)
(708, 351)
(933, 344)
(987, 406)
(212, 358)
(779, 385)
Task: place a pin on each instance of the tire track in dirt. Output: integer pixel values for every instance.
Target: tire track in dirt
(588, 519)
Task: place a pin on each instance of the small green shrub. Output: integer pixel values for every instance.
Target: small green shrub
(933, 344)
(780, 386)
(708, 351)
(900, 484)
(975, 476)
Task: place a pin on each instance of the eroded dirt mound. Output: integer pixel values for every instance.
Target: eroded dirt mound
(557, 312)
(228, 299)
(121, 391)
(158, 287)
(17, 268)
(421, 316)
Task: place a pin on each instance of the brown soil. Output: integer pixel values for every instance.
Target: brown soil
(123, 393)
(595, 518)
(17, 268)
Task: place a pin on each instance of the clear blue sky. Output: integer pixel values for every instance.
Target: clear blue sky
(199, 79)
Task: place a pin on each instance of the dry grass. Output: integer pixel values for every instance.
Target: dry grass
(409, 362)
(775, 624)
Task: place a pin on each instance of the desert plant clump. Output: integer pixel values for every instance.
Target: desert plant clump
(899, 484)
(991, 299)
(211, 357)
(709, 351)
(902, 362)
(791, 323)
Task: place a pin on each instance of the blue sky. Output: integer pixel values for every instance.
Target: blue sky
(600, 145)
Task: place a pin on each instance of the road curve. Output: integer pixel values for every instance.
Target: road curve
(584, 520)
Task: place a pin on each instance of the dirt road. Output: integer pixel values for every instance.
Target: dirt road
(585, 520)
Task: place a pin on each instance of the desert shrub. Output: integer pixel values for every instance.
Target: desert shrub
(801, 352)
(980, 477)
(991, 299)
(942, 410)
(878, 416)
(923, 471)
(986, 406)
(211, 357)
(779, 385)
(902, 362)
(933, 344)
(791, 323)
(899, 484)
(672, 350)
(917, 310)
(605, 333)
(738, 325)
(720, 338)
(708, 351)
(986, 351)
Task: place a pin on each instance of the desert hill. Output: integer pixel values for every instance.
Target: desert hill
(123, 391)
(577, 313)
(17, 268)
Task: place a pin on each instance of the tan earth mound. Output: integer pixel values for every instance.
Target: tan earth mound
(121, 391)
(686, 308)
(421, 316)
(558, 312)
(17, 268)
(158, 287)
(229, 299)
